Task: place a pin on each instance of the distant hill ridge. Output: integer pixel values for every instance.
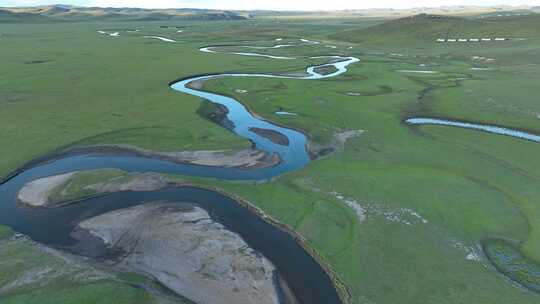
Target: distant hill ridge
(62, 13)
(428, 27)
(9, 17)
(59, 13)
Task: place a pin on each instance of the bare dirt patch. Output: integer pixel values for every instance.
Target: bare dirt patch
(183, 248)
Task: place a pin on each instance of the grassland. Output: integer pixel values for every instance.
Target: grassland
(33, 274)
(75, 188)
(431, 195)
(5, 232)
(464, 184)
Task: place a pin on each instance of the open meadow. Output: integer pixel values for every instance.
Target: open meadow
(398, 213)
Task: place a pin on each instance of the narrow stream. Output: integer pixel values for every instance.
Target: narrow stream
(473, 126)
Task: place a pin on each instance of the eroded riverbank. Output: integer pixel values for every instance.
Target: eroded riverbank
(258, 230)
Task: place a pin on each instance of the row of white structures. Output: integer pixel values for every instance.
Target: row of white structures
(505, 15)
(471, 39)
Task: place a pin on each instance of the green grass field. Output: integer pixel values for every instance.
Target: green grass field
(430, 195)
(31, 274)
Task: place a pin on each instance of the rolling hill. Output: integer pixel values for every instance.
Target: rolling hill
(66, 13)
(425, 27)
(11, 17)
(72, 13)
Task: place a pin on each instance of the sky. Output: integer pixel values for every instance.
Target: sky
(270, 4)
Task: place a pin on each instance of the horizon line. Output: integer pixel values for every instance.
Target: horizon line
(280, 10)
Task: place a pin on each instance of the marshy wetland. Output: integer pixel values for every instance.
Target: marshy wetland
(296, 147)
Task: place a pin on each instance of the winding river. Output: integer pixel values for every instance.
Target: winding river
(307, 279)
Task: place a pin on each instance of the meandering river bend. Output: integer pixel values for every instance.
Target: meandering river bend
(307, 279)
